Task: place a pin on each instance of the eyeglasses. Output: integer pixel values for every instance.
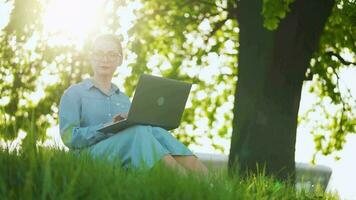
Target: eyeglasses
(108, 55)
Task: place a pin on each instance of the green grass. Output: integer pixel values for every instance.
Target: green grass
(54, 174)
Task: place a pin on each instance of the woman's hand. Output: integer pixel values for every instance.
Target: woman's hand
(119, 117)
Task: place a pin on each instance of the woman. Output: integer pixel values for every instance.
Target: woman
(85, 107)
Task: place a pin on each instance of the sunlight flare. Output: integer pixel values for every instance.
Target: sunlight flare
(72, 20)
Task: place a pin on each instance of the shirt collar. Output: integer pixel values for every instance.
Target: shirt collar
(88, 83)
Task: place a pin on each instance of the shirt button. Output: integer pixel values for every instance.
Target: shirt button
(118, 104)
(109, 114)
(108, 98)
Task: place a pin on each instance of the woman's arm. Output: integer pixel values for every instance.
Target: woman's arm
(74, 136)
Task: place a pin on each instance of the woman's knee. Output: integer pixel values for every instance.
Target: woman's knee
(134, 129)
(168, 159)
(142, 131)
(139, 128)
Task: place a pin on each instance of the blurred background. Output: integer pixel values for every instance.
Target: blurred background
(44, 47)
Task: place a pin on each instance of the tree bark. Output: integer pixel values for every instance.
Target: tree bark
(272, 67)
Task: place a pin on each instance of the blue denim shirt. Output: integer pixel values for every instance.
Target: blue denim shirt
(84, 109)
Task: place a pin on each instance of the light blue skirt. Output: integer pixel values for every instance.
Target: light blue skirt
(138, 146)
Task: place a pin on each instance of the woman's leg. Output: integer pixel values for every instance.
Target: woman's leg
(191, 163)
(169, 161)
(178, 150)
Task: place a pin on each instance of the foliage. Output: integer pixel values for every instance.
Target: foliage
(336, 43)
(26, 57)
(273, 11)
(195, 41)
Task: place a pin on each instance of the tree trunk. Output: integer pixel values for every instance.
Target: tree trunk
(272, 67)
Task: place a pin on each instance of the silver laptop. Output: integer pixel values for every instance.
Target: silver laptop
(157, 102)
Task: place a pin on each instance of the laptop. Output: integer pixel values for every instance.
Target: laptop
(157, 102)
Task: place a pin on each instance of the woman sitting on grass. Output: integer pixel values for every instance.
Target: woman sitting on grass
(86, 106)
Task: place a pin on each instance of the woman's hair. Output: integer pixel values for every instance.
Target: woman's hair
(110, 37)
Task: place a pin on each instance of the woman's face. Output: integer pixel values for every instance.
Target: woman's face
(106, 57)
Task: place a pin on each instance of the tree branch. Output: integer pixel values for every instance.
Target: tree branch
(211, 4)
(217, 26)
(164, 9)
(341, 59)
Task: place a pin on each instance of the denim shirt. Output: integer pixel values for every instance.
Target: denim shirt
(84, 109)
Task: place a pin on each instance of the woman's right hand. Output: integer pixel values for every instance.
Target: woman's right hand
(119, 117)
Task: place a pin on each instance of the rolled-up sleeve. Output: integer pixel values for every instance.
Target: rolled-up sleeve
(73, 135)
